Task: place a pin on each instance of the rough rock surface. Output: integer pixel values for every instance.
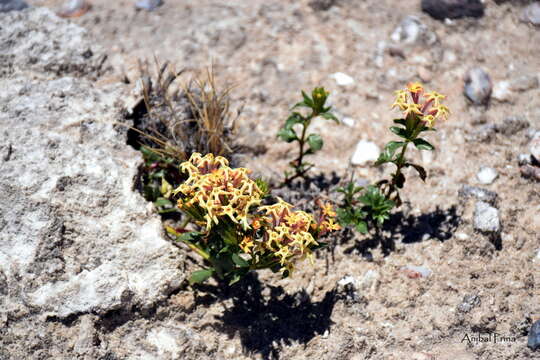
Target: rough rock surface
(76, 242)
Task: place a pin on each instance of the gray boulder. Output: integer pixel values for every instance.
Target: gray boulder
(75, 238)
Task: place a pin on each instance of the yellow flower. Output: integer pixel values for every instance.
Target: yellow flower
(401, 100)
(430, 120)
(442, 111)
(328, 210)
(412, 108)
(435, 97)
(415, 87)
(246, 244)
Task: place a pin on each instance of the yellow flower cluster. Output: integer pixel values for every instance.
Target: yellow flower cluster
(218, 190)
(326, 222)
(276, 232)
(287, 234)
(428, 110)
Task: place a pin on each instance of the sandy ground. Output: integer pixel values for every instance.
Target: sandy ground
(272, 49)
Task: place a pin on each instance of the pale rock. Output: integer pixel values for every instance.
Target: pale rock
(76, 238)
(502, 93)
(486, 218)
(366, 151)
(478, 86)
(531, 14)
(348, 121)
(342, 79)
(411, 30)
(487, 175)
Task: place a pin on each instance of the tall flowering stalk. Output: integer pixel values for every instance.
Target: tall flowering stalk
(420, 111)
(372, 205)
(236, 234)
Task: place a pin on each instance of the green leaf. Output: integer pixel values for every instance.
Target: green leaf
(166, 188)
(307, 100)
(421, 171)
(315, 142)
(399, 131)
(287, 135)
(344, 216)
(191, 236)
(239, 261)
(422, 144)
(263, 186)
(292, 120)
(330, 116)
(361, 227)
(160, 202)
(383, 158)
(301, 104)
(235, 278)
(200, 276)
(392, 146)
(400, 121)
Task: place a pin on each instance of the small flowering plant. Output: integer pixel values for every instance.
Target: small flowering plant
(420, 111)
(308, 144)
(234, 232)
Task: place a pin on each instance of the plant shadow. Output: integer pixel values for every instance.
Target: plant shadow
(267, 318)
(439, 224)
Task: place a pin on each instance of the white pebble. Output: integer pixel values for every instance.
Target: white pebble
(366, 151)
(487, 175)
(342, 79)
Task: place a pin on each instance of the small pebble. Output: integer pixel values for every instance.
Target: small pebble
(347, 280)
(468, 191)
(348, 121)
(487, 175)
(342, 79)
(478, 86)
(366, 151)
(148, 5)
(74, 8)
(502, 93)
(11, 5)
(531, 14)
(453, 9)
(486, 218)
(415, 272)
(533, 341)
(524, 159)
(530, 172)
(411, 30)
(468, 303)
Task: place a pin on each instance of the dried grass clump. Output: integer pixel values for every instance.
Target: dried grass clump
(177, 120)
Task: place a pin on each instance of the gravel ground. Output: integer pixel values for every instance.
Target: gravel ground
(356, 303)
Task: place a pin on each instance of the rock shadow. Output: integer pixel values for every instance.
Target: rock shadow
(267, 318)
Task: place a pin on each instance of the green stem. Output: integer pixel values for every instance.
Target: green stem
(197, 249)
(302, 143)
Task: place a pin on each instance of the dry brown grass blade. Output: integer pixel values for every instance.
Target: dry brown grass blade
(211, 108)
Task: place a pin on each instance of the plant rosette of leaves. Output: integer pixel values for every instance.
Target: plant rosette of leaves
(308, 143)
(234, 233)
(372, 205)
